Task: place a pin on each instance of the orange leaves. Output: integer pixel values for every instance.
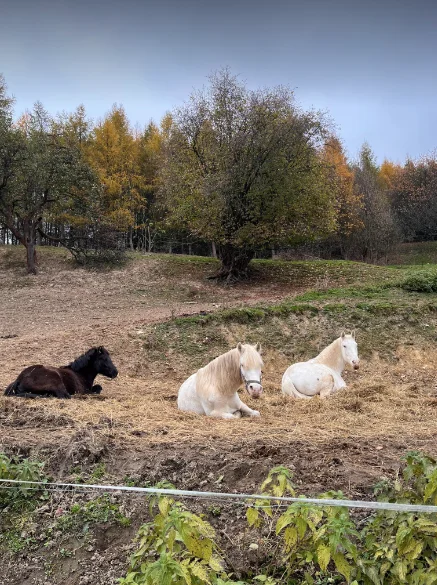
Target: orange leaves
(114, 152)
(341, 180)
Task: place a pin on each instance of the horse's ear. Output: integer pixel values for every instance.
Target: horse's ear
(100, 349)
(353, 333)
(343, 334)
(239, 347)
(258, 347)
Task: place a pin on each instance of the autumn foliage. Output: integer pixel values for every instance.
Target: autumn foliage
(235, 171)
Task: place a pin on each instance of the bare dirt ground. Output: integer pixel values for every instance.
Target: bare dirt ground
(347, 442)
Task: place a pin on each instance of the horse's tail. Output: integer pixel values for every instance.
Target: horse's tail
(12, 388)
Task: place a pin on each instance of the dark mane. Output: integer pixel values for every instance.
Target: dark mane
(82, 361)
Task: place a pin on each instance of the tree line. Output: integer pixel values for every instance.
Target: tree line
(232, 172)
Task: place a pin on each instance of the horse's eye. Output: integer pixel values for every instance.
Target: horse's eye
(344, 346)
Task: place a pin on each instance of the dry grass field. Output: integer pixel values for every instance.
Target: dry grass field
(161, 319)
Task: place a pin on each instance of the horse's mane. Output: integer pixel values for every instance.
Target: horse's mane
(329, 353)
(224, 371)
(331, 356)
(82, 361)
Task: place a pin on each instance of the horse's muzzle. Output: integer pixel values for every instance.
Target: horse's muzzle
(114, 374)
(255, 392)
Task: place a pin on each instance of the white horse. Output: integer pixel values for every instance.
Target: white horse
(322, 375)
(212, 390)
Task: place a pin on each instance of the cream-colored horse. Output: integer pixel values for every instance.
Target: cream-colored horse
(322, 375)
(212, 390)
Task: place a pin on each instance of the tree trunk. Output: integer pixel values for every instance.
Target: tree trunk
(234, 263)
(29, 241)
(131, 241)
(214, 250)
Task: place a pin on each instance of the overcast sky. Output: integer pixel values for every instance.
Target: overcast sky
(370, 64)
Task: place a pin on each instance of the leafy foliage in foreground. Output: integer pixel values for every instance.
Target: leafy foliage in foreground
(305, 544)
(17, 497)
(175, 547)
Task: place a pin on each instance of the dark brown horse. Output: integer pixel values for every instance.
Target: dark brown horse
(76, 378)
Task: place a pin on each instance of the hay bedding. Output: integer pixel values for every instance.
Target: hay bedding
(43, 322)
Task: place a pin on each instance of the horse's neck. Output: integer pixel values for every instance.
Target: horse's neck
(87, 374)
(223, 373)
(332, 357)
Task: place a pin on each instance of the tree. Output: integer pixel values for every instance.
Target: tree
(114, 153)
(241, 168)
(37, 169)
(413, 195)
(149, 217)
(348, 202)
(380, 231)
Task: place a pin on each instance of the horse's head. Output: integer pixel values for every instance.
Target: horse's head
(251, 364)
(349, 350)
(103, 364)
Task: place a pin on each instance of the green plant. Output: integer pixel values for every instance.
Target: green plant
(319, 545)
(421, 281)
(401, 547)
(19, 495)
(101, 510)
(310, 536)
(99, 471)
(176, 547)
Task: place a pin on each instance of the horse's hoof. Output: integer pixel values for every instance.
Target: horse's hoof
(255, 413)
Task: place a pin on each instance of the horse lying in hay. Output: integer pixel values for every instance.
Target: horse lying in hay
(76, 378)
(322, 375)
(212, 390)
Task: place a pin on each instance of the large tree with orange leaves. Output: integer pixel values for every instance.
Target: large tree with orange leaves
(340, 178)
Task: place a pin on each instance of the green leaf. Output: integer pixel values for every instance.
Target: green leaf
(252, 516)
(323, 556)
(283, 521)
(290, 537)
(342, 566)
(164, 505)
(199, 571)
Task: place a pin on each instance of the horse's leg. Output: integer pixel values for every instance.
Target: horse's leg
(61, 393)
(328, 389)
(29, 395)
(221, 414)
(294, 392)
(96, 389)
(246, 410)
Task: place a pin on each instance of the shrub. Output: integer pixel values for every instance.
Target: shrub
(17, 496)
(423, 281)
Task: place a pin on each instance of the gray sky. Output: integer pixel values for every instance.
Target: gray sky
(371, 65)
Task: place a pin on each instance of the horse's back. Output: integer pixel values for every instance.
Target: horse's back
(39, 379)
(307, 379)
(188, 399)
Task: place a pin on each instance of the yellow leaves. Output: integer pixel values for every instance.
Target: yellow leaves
(252, 516)
(388, 173)
(323, 556)
(342, 566)
(120, 218)
(341, 180)
(114, 152)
